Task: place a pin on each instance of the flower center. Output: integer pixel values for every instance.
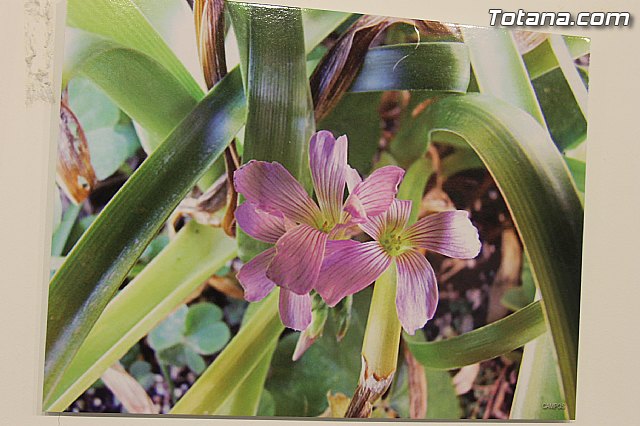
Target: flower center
(394, 244)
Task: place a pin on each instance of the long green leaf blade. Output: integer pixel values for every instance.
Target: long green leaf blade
(439, 67)
(541, 60)
(484, 343)
(100, 261)
(279, 125)
(280, 118)
(538, 392)
(499, 68)
(189, 259)
(538, 189)
(123, 22)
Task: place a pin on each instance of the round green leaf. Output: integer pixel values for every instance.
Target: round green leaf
(169, 332)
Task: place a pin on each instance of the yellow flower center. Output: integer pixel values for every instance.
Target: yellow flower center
(394, 243)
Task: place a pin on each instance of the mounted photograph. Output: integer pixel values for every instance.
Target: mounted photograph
(262, 210)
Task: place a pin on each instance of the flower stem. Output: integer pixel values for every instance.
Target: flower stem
(379, 347)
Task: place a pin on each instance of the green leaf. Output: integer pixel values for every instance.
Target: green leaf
(173, 20)
(169, 332)
(462, 159)
(300, 388)
(63, 230)
(141, 87)
(200, 315)
(280, 118)
(413, 185)
(267, 407)
(203, 330)
(193, 360)
(563, 97)
(111, 140)
(124, 23)
(538, 189)
(110, 148)
(318, 24)
(541, 59)
(192, 256)
(236, 363)
(442, 401)
(356, 116)
(578, 170)
(141, 371)
(481, 344)
(438, 67)
(279, 124)
(92, 107)
(538, 385)
(566, 123)
(248, 397)
(499, 68)
(519, 297)
(173, 355)
(99, 262)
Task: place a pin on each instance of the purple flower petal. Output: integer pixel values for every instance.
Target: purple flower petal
(374, 226)
(299, 255)
(272, 188)
(450, 233)
(328, 162)
(253, 276)
(259, 224)
(353, 179)
(374, 195)
(397, 217)
(393, 220)
(295, 309)
(417, 291)
(350, 268)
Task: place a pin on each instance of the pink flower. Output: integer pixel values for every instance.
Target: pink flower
(279, 211)
(352, 265)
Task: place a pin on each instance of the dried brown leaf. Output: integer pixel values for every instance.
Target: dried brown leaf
(417, 386)
(232, 163)
(74, 171)
(227, 286)
(507, 276)
(128, 391)
(528, 40)
(209, 20)
(339, 67)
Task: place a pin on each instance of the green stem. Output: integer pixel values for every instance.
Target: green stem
(164, 369)
(379, 347)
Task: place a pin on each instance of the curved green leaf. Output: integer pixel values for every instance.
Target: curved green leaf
(414, 183)
(563, 97)
(279, 124)
(541, 59)
(124, 23)
(357, 116)
(434, 66)
(191, 257)
(499, 68)
(280, 118)
(99, 262)
(538, 189)
(538, 384)
(484, 343)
